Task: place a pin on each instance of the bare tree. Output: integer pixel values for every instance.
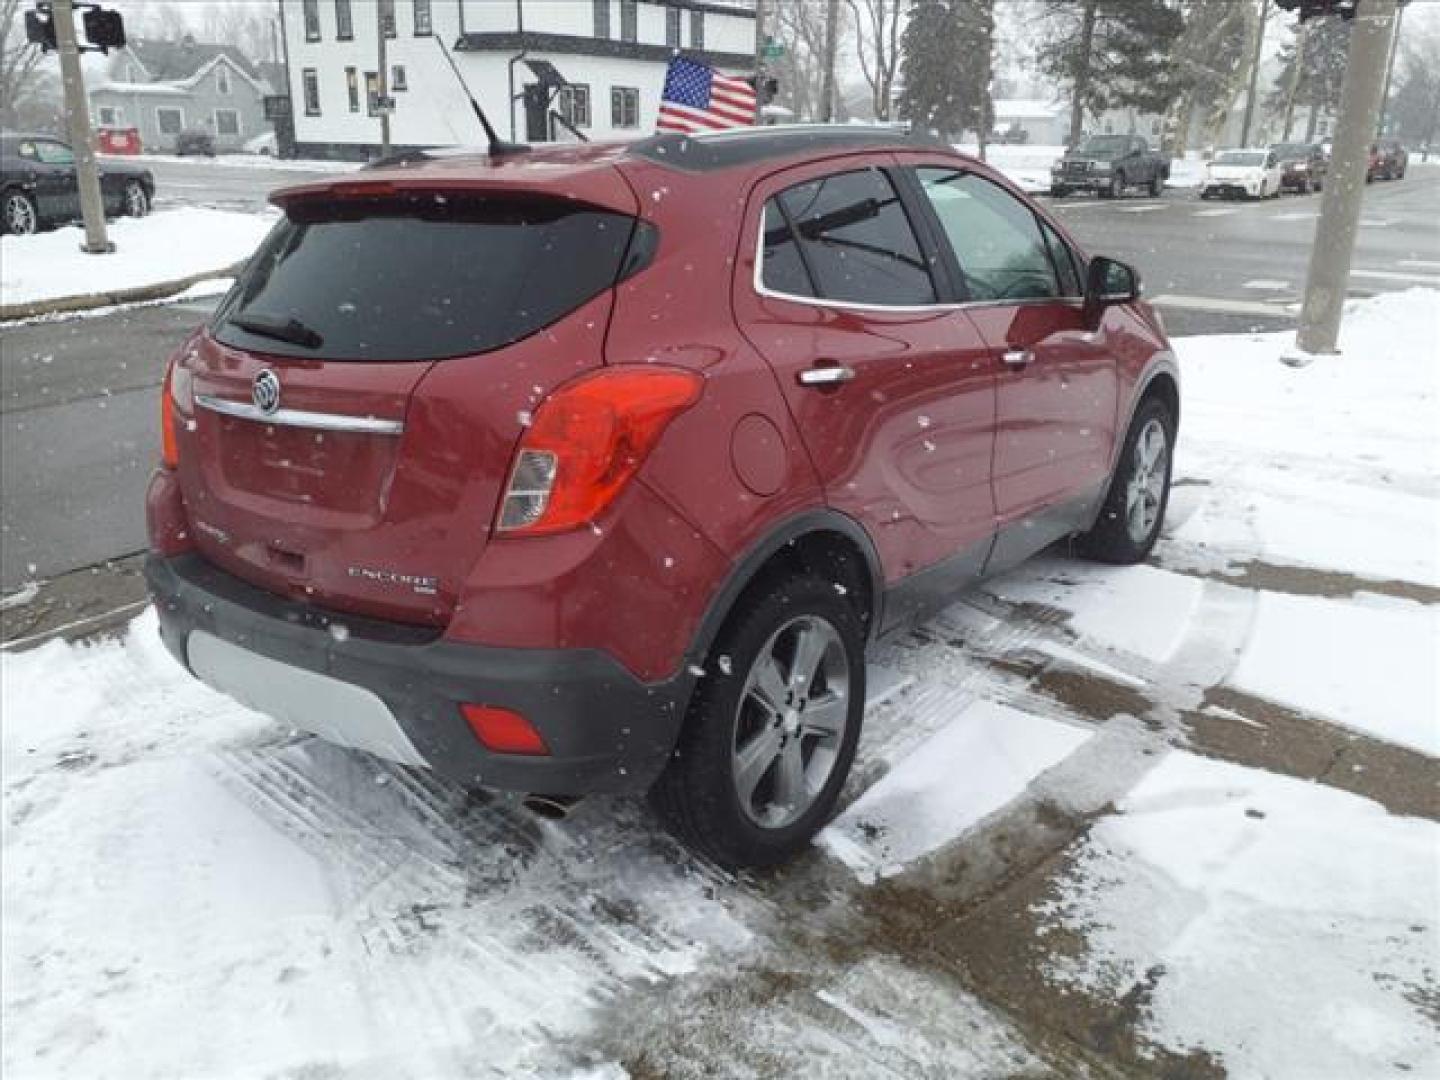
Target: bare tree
(245, 26)
(877, 44)
(20, 76)
(800, 26)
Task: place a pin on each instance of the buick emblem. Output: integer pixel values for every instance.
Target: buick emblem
(265, 391)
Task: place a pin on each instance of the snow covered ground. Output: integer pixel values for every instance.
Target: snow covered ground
(241, 161)
(339, 917)
(164, 246)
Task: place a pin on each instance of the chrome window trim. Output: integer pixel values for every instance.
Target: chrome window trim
(317, 421)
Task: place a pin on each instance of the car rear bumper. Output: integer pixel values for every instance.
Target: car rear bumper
(395, 690)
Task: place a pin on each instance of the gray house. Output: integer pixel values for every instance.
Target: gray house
(165, 87)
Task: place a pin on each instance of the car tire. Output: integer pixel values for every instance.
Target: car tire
(749, 785)
(135, 200)
(1116, 190)
(1134, 510)
(19, 215)
(1157, 186)
(1059, 192)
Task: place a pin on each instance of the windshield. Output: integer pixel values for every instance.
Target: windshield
(1106, 144)
(1241, 157)
(419, 278)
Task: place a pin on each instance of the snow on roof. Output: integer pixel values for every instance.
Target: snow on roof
(1025, 108)
(142, 88)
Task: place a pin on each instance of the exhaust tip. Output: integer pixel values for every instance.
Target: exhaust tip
(550, 807)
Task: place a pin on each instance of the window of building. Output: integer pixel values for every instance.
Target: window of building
(629, 18)
(170, 120)
(222, 80)
(624, 107)
(602, 18)
(386, 9)
(672, 27)
(344, 21)
(352, 88)
(574, 104)
(372, 93)
(110, 116)
(310, 13)
(424, 26)
(995, 237)
(397, 77)
(310, 80)
(697, 29)
(227, 122)
(855, 241)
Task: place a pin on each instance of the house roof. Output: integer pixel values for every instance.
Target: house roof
(173, 61)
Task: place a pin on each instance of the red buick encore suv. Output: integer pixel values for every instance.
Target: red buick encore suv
(595, 469)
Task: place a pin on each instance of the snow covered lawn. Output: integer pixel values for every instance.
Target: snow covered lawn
(164, 246)
(189, 890)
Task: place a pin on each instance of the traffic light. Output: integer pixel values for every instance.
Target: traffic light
(40, 29)
(105, 29)
(1314, 9)
(766, 87)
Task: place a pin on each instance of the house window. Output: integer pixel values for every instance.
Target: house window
(387, 17)
(624, 107)
(222, 80)
(227, 122)
(697, 29)
(170, 120)
(423, 24)
(628, 19)
(109, 116)
(311, 14)
(602, 18)
(672, 27)
(311, 82)
(574, 104)
(352, 88)
(397, 77)
(372, 93)
(344, 21)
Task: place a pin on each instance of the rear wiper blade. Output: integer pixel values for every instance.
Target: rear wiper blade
(291, 330)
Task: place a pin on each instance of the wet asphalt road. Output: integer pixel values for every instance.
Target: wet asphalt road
(78, 408)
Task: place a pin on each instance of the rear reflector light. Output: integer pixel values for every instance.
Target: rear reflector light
(587, 440)
(503, 731)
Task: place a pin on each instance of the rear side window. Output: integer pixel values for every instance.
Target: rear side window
(419, 278)
(847, 238)
(996, 237)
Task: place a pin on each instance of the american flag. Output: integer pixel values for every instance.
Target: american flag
(699, 98)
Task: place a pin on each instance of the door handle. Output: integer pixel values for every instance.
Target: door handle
(826, 376)
(1015, 359)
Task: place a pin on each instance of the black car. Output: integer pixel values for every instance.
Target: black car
(39, 186)
(1303, 166)
(196, 141)
(1108, 165)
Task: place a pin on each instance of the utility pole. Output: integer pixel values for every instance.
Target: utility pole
(760, 44)
(827, 80)
(1375, 24)
(1390, 69)
(1254, 73)
(77, 113)
(384, 20)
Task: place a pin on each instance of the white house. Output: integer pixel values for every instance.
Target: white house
(610, 54)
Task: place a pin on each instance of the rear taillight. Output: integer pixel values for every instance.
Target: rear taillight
(174, 390)
(586, 442)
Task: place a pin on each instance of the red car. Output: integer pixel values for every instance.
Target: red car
(595, 469)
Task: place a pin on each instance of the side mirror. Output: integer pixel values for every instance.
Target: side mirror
(1108, 282)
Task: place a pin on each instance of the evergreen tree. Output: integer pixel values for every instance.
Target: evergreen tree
(1210, 63)
(1312, 71)
(1111, 54)
(945, 66)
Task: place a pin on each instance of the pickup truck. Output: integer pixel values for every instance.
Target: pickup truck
(1108, 165)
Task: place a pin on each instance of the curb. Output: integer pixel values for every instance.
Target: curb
(88, 301)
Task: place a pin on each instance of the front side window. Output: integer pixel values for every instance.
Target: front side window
(54, 153)
(424, 25)
(344, 21)
(1066, 266)
(672, 27)
(624, 107)
(310, 80)
(169, 121)
(995, 237)
(227, 122)
(628, 20)
(310, 13)
(855, 241)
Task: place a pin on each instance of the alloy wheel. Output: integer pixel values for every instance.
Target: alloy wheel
(20, 215)
(1146, 489)
(791, 721)
(137, 204)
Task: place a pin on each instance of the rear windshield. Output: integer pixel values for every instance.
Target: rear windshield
(419, 278)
